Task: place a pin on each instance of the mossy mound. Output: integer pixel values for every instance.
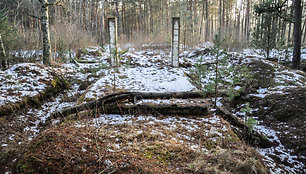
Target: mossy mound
(127, 149)
(82, 150)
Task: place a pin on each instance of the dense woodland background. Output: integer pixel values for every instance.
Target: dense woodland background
(265, 24)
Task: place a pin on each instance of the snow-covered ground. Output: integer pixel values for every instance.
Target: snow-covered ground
(142, 79)
(284, 55)
(149, 70)
(145, 70)
(25, 80)
(212, 129)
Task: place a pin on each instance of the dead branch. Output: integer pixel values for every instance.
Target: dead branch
(249, 135)
(115, 97)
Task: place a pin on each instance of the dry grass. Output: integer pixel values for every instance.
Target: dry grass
(144, 147)
(68, 149)
(242, 160)
(65, 36)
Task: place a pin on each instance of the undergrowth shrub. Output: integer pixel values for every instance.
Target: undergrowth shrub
(221, 75)
(65, 37)
(8, 38)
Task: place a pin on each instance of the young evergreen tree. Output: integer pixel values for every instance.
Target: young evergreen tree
(7, 38)
(265, 35)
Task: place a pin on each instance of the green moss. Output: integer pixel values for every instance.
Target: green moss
(209, 144)
(21, 168)
(160, 152)
(36, 101)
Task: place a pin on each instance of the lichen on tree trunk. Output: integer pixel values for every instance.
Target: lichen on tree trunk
(45, 32)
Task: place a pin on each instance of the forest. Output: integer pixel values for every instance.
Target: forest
(152, 86)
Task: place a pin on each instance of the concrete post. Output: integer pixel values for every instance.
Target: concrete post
(112, 26)
(175, 41)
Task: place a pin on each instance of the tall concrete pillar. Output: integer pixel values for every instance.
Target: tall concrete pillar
(175, 41)
(113, 41)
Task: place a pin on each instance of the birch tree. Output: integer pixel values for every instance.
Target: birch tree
(45, 32)
(3, 53)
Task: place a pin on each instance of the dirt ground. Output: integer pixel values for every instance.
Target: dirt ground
(283, 112)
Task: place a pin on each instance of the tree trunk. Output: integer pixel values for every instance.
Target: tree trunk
(297, 34)
(289, 31)
(247, 21)
(140, 18)
(118, 17)
(207, 22)
(304, 31)
(46, 33)
(220, 15)
(3, 55)
(151, 17)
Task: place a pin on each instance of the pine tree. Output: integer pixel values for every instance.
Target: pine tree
(6, 37)
(265, 35)
(297, 34)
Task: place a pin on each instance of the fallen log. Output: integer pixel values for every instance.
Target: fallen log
(115, 97)
(157, 109)
(106, 105)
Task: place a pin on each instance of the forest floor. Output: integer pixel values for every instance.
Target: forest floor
(151, 143)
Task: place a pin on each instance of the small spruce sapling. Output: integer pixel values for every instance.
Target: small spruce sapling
(211, 77)
(218, 53)
(250, 122)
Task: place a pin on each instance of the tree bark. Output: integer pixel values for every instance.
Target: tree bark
(297, 34)
(118, 17)
(3, 55)
(46, 33)
(207, 21)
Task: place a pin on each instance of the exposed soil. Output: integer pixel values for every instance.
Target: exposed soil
(285, 113)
